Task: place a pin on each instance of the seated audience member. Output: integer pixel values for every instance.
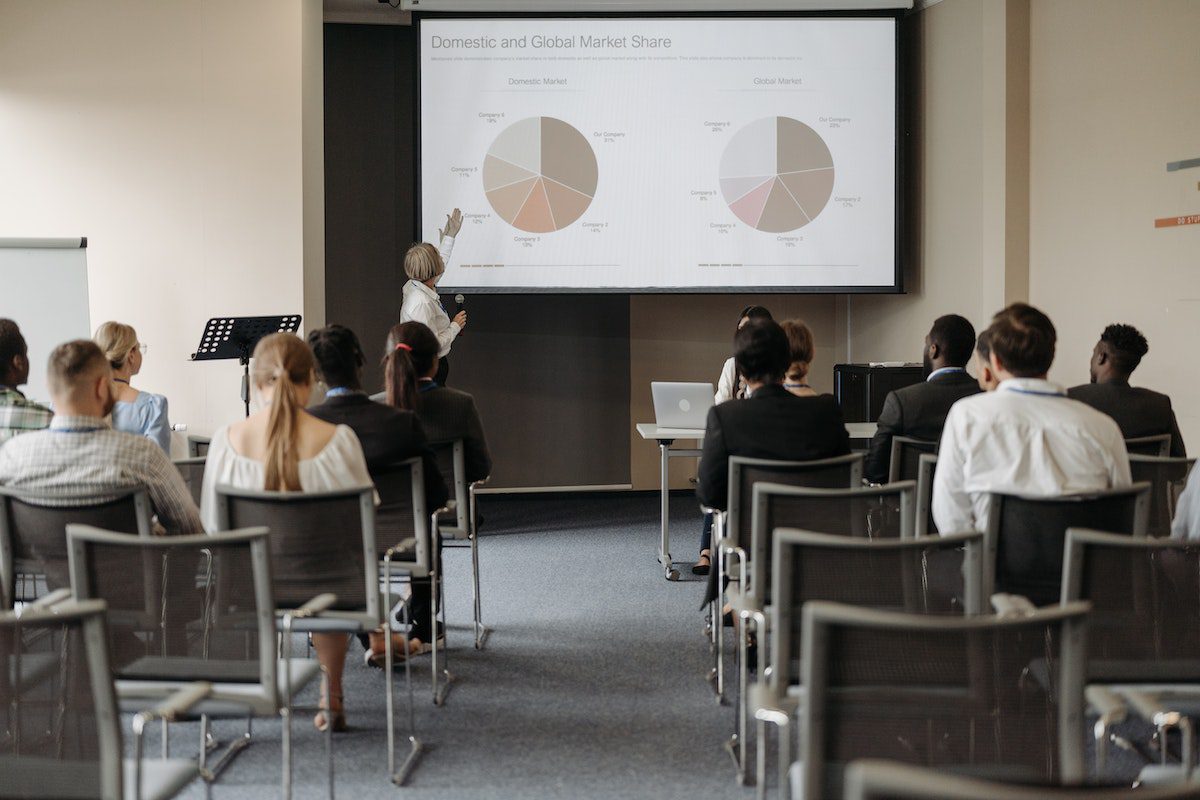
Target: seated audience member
(80, 452)
(983, 364)
(388, 435)
(142, 413)
(770, 422)
(801, 349)
(1186, 524)
(282, 448)
(17, 414)
(1137, 411)
(730, 385)
(920, 410)
(1026, 437)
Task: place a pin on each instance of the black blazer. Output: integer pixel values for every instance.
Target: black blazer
(387, 435)
(773, 423)
(918, 411)
(449, 414)
(1137, 411)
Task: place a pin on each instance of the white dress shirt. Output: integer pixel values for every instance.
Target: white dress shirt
(727, 385)
(1186, 524)
(421, 304)
(1025, 438)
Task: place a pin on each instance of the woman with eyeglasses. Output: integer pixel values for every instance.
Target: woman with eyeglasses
(141, 413)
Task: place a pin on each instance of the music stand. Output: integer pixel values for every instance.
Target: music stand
(235, 337)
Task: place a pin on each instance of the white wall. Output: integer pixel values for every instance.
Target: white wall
(179, 137)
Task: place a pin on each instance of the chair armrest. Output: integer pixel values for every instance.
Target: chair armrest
(764, 705)
(744, 604)
(316, 606)
(1012, 605)
(710, 510)
(404, 546)
(174, 706)
(52, 599)
(1107, 704)
(481, 482)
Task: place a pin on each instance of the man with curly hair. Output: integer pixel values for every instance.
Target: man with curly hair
(1137, 411)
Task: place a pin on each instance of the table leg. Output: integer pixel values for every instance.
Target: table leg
(664, 554)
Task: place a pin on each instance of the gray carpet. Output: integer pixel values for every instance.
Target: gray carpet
(591, 685)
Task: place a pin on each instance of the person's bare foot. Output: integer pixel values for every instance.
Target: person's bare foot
(401, 648)
(331, 711)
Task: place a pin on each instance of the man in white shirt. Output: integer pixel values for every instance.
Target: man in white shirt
(1025, 437)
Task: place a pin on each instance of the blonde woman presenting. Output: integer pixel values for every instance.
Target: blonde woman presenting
(424, 265)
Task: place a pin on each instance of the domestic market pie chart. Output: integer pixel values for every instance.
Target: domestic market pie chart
(540, 174)
(776, 174)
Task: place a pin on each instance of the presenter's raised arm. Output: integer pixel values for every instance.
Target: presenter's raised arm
(453, 225)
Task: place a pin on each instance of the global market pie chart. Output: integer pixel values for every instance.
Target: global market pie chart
(776, 174)
(540, 174)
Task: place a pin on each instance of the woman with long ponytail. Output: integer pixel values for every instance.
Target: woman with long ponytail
(282, 448)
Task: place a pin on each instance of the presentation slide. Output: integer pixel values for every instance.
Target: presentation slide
(651, 154)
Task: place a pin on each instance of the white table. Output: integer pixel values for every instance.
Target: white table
(665, 438)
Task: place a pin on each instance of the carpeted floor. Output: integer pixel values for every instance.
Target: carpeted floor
(591, 685)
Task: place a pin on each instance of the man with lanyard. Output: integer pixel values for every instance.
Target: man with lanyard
(920, 410)
(17, 414)
(1026, 437)
(81, 453)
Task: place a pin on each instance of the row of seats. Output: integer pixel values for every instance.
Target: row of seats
(799, 537)
(206, 618)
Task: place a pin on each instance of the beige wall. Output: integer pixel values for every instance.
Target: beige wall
(1113, 100)
(184, 139)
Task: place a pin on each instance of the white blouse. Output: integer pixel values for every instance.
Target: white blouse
(422, 304)
(340, 465)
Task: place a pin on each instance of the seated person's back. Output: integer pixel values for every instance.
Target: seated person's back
(139, 412)
(81, 453)
(388, 435)
(770, 422)
(18, 414)
(920, 410)
(1136, 410)
(1026, 437)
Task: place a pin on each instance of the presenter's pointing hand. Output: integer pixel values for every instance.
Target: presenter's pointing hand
(453, 224)
(461, 319)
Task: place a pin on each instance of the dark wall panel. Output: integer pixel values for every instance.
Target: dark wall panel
(550, 373)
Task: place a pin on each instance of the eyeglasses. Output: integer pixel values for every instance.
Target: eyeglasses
(142, 348)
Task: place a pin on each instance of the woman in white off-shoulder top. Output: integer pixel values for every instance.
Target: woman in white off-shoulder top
(283, 448)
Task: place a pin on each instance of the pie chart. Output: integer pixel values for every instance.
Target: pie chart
(540, 174)
(776, 174)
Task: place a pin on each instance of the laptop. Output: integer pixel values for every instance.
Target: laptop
(681, 405)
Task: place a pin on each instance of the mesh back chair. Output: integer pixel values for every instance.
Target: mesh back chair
(926, 467)
(451, 461)
(198, 446)
(884, 780)
(1145, 602)
(731, 526)
(33, 534)
(1025, 535)
(935, 576)
(1167, 478)
(994, 696)
(906, 457)
(1157, 445)
(194, 608)
(324, 543)
(62, 729)
(192, 472)
(406, 538)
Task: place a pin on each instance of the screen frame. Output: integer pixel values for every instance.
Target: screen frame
(898, 266)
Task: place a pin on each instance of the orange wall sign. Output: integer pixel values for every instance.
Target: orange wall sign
(1171, 222)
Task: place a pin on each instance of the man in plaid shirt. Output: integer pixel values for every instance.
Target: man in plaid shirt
(81, 452)
(17, 414)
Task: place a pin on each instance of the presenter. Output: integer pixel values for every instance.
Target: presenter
(424, 265)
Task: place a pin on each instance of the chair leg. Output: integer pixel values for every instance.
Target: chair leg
(399, 776)
(286, 711)
(328, 728)
(760, 761)
(441, 674)
(719, 614)
(481, 630)
(785, 759)
(743, 681)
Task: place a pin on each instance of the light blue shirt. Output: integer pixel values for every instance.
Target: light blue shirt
(944, 371)
(145, 416)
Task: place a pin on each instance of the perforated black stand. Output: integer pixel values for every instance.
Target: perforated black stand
(235, 337)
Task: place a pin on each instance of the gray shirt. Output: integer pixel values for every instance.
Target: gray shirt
(1186, 524)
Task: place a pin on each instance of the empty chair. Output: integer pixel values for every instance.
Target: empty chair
(905, 458)
(1167, 478)
(192, 472)
(463, 524)
(935, 575)
(33, 534)
(886, 780)
(926, 466)
(1157, 445)
(198, 446)
(994, 696)
(1142, 632)
(196, 608)
(1025, 535)
(62, 730)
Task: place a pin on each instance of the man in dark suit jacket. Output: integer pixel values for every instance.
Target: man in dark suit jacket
(1137, 411)
(920, 410)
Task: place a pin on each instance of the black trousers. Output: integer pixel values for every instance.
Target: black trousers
(443, 371)
(420, 606)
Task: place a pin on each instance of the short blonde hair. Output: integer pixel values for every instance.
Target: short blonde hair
(422, 262)
(117, 340)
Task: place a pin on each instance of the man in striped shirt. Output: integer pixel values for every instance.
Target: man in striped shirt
(17, 414)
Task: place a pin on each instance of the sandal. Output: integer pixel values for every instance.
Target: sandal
(702, 568)
(322, 720)
(402, 649)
